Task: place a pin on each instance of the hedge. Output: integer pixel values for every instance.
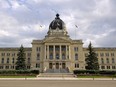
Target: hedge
(103, 72)
(19, 72)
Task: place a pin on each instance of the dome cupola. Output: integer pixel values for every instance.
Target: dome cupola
(57, 23)
(57, 27)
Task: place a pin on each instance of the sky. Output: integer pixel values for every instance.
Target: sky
(22, 21)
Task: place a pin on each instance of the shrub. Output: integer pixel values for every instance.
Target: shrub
(105, 72)
(17, 72)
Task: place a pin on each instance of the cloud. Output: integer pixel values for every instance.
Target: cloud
(21, 20)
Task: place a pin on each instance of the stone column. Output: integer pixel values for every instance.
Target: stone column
(54, 52)
(69, 52)
(48, 52)
(60, 53)
(66, 53)
(45, 52)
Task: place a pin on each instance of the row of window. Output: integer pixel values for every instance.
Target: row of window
(103, 54)
(106, 54)
(107, 60)
(12, 61)
(11, 67)
(108, 67)
(13, 54)
(51, 56)
(57, 48)
(58, 56)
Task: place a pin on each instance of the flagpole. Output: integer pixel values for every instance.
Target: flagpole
(76, 32)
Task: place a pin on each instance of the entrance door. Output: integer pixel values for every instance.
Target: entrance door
(63, 65)
(57, 65)
(50, 65)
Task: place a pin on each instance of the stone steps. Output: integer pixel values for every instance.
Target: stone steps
(57, 71)
(69, 75)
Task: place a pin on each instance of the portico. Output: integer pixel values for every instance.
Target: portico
(58, 52)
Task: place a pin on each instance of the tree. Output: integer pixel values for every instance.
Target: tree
(20, 63)
(91, 59)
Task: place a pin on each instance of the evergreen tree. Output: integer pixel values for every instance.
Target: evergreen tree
(20, 63)
(91, 59)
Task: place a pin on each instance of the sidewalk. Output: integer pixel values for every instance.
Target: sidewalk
(56, 78)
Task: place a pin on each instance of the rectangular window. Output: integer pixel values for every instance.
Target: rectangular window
(28, 67)
(1, 67)
(75, 49)
(13, 60)
(28, 61)
(38, 49)
(57, 48)
(101, 54)
(108, 67)
(38, 56)
(113, 67)
(63, 48)
(37, 65)
(7, 67)
(76, 65)
(51, 56)
(3, 54)
(2, 60)
(7, 60)
(76, 56)
(50, 48)
(113, 61)
(28, 54)
(102, 67)
(107, 60)
(8, 54)
(12, 67)
(13, 54)
(102, 60)
(112, 54)
(107, 54)
(57, 56)
(63, 56)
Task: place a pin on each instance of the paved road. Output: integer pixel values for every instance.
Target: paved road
(37, 83)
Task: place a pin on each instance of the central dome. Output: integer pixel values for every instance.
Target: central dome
(57, 23)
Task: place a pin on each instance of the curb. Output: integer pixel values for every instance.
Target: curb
(44, 78)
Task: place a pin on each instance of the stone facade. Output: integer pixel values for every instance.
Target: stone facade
(57, 52)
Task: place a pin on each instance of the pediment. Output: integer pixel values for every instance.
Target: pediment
(57, 40)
